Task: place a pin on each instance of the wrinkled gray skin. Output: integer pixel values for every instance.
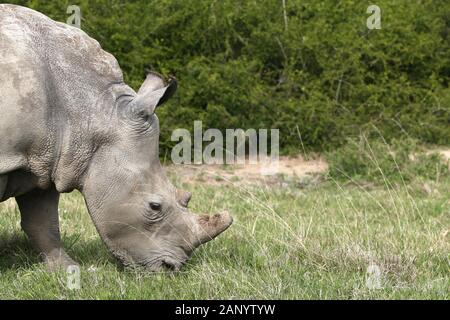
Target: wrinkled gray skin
(68, 121)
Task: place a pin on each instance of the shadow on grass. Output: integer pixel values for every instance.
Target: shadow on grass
(17, 253)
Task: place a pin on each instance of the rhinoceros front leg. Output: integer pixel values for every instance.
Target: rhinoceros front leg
(3, 182)
(40, 221)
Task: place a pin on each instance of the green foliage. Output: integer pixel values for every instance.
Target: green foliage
(399, 162)
(325, 77)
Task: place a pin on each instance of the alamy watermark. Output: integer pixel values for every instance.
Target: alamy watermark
(75, 16)
(374, 20)
(73, 277)
(237, 147)
(373, 277)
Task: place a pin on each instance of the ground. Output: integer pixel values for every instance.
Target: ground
(297, 235)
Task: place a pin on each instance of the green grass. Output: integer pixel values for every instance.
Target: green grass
(286, 243)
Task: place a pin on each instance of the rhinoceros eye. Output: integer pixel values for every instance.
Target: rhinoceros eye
(153, 212)
(155, 206)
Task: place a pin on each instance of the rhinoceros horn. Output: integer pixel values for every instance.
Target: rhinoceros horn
(211, 226)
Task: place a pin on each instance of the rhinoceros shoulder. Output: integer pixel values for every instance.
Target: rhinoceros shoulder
(64, 46)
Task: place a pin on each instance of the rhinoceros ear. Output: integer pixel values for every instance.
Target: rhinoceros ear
(154, 92)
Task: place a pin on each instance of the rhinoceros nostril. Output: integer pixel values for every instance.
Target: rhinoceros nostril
(172, 265)
(168, 266)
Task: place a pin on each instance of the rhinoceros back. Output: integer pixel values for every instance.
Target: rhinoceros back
(70, 59)
(51, 75)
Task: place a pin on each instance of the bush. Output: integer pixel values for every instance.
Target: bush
(325, 76)
(376, 161)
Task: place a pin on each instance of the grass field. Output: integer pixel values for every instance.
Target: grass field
(323, 240)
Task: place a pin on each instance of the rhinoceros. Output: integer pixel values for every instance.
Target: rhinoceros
(69, 122)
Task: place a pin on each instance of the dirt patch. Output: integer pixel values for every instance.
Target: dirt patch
(445, 154)
(295, 170)
(288, 168)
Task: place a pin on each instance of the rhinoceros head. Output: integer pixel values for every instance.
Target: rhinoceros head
(140, 215)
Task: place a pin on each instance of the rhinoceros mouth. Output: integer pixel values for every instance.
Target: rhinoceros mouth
(172, 265)
(163, 263)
